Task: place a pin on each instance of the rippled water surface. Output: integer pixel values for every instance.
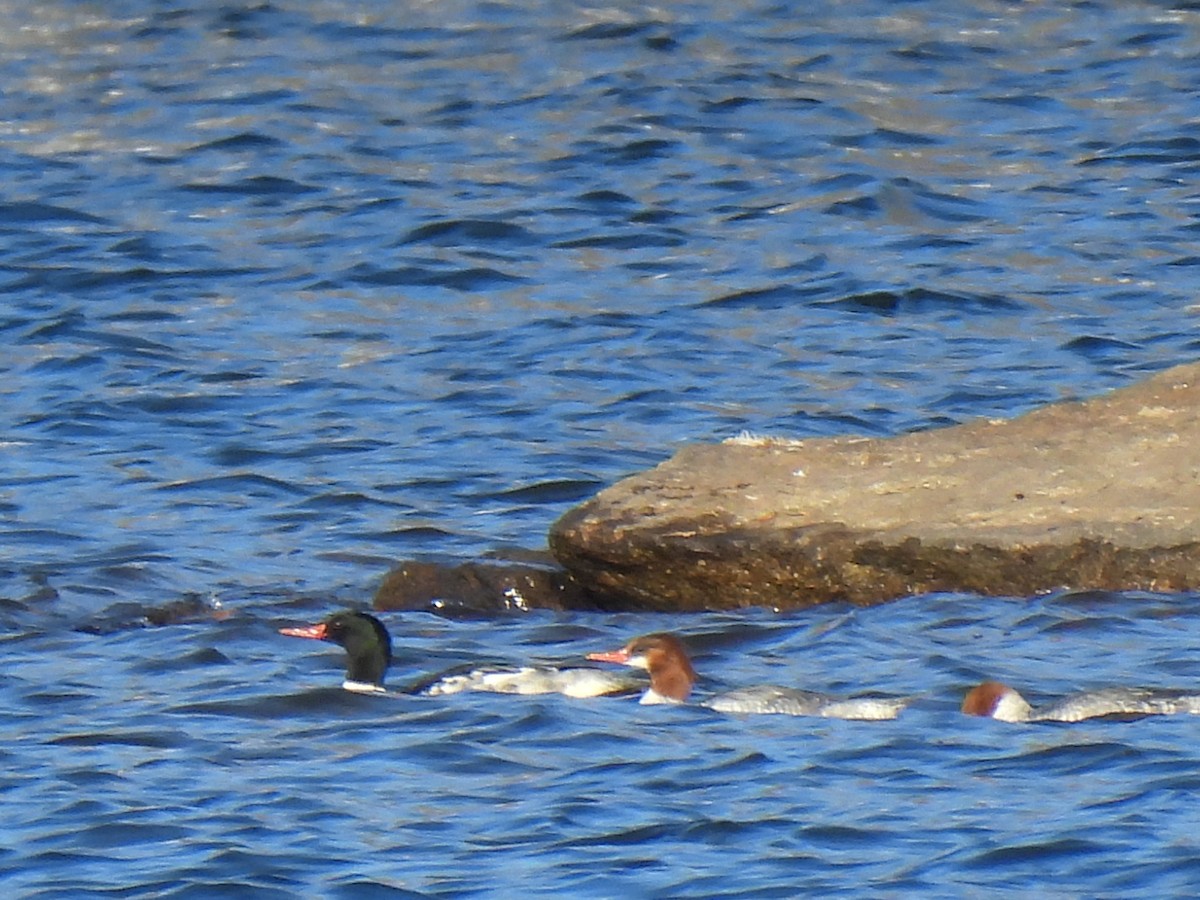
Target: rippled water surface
(292, 291)
(221, 756)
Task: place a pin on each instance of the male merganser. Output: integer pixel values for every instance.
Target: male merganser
(366, 641)
(999, 701)
(574, 682)
(369, 653)
(672, 676)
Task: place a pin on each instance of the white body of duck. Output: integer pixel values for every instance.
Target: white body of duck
(572, 682)
(999, 701)
(672, 678)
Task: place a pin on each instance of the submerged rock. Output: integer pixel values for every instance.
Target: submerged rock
(480, 588)
(1103, 493)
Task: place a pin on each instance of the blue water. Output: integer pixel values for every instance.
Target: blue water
(196, 759)
(294, 291)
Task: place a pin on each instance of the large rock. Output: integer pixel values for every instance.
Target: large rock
(1103, 493)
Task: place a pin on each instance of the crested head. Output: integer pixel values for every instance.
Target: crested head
(664, 657)
(998, 701)
(661, 641)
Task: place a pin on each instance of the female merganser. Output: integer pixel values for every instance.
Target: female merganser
(999, 701)
(369, 653)
(672, 677)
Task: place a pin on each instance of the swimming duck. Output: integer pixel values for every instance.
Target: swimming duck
(368, 647)
(999, 701)
(672, 678)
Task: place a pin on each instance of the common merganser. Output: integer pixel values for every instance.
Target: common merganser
(369, 653)
(999, 701)
(573, 682)
(367, 644)
(672, 677)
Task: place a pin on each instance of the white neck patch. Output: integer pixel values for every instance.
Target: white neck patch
(652, 696)
(638, 661)
(363, 687)
(1012, 707)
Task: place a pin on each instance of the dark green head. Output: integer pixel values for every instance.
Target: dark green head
(366, 641)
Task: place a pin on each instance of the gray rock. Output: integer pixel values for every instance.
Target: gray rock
(1103, 494)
